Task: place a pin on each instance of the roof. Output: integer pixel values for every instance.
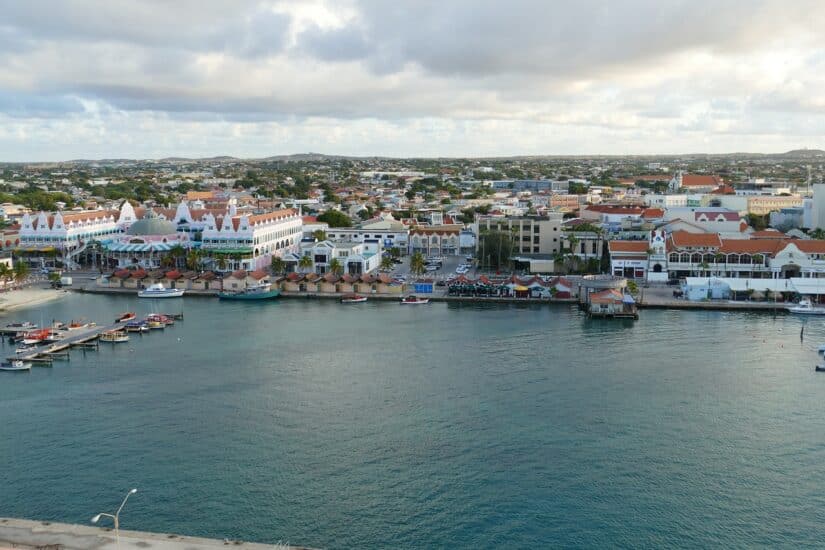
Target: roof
(728, 215)
(653, 213)
(610, 295)
(751, 246)
(686, 239)
(258, 274)
(628, 246)
(701, 180)
(768, 234)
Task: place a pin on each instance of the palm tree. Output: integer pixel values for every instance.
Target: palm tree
(177, 253)
(5, 273)
(336, 267)
(21, 271)
(386, 263)
(221, 263)
(319, 235)
(818, 233)
(305, 263)
(193, 259)
(417, 263)
(278, 265)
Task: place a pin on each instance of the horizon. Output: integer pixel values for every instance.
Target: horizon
(97, 80)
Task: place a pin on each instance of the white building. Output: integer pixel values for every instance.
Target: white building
(66, 235)
(354, 258)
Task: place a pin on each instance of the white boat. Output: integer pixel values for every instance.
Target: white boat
(414, 301)
(15, 366)
(157, 290)
(805, 307)
(114, 336)
(353, 299)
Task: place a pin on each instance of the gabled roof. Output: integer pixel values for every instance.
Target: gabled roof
(174, 274)
(239, 274)
(686, 239)
(207, 276)
(331, 277)
(701, 180)
(258, 274)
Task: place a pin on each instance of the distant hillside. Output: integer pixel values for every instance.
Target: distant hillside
(805, 153)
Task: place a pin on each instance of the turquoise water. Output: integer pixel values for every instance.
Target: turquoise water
(377, 425)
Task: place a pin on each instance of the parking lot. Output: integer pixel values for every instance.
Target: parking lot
(446, 271)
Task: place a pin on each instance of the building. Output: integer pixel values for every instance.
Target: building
(65, 235)
(353, 258)
(386, 230)
(695, 183)
(250, 241)
(532, 234)
(145, 243)
(440, 240)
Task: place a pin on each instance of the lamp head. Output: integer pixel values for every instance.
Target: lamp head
(96, 518)
(133, 491)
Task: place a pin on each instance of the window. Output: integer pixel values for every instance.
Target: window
(535, 229)
(535, 249)
(535, 239)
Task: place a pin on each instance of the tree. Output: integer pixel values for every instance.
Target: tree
(759, 223)
(395, 252)
(335, 218)
(305, 263)
(278, 265)
(336, 267)
(319, 235)
(21, 271)
(818, 233)
(221, 263)
(177, 253)
(6, 273)
(495, 249)
(193, 259)
(417, 263)
(386, 263)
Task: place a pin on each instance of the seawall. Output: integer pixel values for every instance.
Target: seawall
(23, 533)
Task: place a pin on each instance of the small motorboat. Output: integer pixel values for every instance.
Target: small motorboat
(15, 366)
(820, 368)
(353, 299)
(114, 336)
(821, 349)
(136, 326)
(24, 349)
(157, 290)
(21, 326)
(414, 300)
(35, 337)
(806, 307)
(123, 317)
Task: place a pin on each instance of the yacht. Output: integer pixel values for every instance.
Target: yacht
(805, 307)
(261, 291)
(157, 290)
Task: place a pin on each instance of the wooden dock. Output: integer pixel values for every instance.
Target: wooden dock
(83, 338)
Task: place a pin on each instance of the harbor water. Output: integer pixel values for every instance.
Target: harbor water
(446, 425)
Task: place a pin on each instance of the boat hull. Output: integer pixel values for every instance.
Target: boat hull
(169, 293)
(254, 296)
(798, 311)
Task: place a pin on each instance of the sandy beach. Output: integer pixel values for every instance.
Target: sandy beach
(28, 297)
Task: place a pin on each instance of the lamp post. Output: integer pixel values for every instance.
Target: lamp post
(116, 516)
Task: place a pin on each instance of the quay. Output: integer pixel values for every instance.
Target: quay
(28, 534)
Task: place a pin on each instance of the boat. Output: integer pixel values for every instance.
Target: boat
(820, 368)
(821, 349)
(805, 307)
(136, 326)
(123, 317)
(262, 291)
(160, 318)
(16, 366)
(353, 299)
(35, 337)
(25, 349)
(412, 300)
(157, 290)
(21, 326)
(114, 336)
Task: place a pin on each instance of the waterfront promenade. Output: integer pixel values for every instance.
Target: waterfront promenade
(21, 533)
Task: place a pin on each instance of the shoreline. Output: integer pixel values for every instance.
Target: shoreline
(26, 533)
(14, 300)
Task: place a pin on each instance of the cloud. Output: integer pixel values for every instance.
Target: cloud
(426, 77)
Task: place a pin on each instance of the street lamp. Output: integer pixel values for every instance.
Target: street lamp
(116, 515)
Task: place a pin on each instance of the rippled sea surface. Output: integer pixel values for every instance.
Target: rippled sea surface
(379, 425)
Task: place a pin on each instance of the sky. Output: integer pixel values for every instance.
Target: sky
(152, 78)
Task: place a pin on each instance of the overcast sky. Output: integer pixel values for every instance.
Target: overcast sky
(151, 78)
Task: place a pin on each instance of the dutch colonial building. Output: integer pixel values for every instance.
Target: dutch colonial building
(65, 235)
(250, 241)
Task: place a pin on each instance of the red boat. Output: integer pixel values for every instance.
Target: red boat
(353, 299)
(123, 317)
(35, 337)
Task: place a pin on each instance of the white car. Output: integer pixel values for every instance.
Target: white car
(431, 268)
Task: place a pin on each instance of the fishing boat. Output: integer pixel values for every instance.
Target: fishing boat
(157, 290)
(353, 299)
(160, 318)
(16, 366)
(262, 291)
(35, 337)
(114, 336)
(414, 300)
(806, 307)
(123, 317)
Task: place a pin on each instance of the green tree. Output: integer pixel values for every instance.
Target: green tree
(395, 252)
(818, 233)
(305, 263)
(494, 249)
(386, 263)
(319, 235)
(417, 263)
(336, 267)
(21, 271)
(6, 273)
(277, 265)
(335, 218)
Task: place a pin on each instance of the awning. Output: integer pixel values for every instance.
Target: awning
(227, 250)
(138, 247)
